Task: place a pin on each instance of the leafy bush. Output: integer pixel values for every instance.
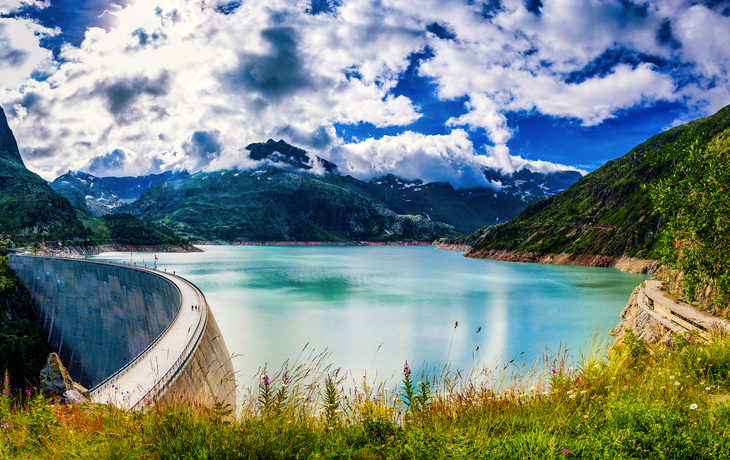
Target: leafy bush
(695, 199)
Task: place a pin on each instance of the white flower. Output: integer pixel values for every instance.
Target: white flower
(671, 377)
(693, 406)
(708, 388)
(676, 384)
(572, 396)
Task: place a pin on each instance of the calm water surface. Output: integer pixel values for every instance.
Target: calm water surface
(271, 301)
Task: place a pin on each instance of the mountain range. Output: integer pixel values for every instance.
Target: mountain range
(297, 196)
(292, 196)
(101, 195)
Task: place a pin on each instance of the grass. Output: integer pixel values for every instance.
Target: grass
(635, 402)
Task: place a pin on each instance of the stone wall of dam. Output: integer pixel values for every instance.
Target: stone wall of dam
(129, 326)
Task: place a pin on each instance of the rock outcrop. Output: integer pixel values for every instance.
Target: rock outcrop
(645, 325)
(655, 315)
(55, 381)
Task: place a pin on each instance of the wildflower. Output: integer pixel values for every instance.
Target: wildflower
(572, 396)
(671, 377)
(6, 425)
(708, 388)
(285, 378)
(554, 371)
(566, 451)
(676, 384)
(582, 391)
(693, 406)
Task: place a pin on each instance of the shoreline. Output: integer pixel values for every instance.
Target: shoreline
(316, 243)
(623, 263)
(79, 252)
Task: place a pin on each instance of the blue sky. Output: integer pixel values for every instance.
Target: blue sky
(434, 90)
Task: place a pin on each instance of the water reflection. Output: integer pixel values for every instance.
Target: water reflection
(374, 308)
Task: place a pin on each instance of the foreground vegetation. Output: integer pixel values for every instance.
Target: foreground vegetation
(637, 402)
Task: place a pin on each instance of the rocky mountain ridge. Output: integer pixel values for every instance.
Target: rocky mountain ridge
(297, 196)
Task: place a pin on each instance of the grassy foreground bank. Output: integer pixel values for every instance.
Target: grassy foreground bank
(637, 402)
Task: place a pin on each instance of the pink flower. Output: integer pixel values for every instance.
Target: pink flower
(566, 451)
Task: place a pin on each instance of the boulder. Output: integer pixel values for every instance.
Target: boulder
(55, 381)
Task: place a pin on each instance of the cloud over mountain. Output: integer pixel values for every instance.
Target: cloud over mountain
(175, 84)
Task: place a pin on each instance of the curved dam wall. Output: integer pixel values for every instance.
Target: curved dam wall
(99, 317)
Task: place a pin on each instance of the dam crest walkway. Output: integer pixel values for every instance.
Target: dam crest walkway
(149, 374)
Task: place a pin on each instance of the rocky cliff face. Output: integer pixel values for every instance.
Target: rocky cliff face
(644, 325)
(87, 193)
(8, 146)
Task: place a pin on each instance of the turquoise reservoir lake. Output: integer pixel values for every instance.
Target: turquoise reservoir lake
(373, 308)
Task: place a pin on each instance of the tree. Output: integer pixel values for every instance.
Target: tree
(695, 197)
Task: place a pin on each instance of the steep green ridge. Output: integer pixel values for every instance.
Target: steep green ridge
(29, 209)
(607, 212)
(276, 205)
(32, 212)
(23, 350)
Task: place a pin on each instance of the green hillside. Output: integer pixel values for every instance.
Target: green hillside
(609, 211)
(276, 205)
(127, 230)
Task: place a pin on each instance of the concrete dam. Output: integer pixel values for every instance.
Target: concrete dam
(129, 333)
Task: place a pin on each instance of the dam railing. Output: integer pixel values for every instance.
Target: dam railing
(164, 382)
